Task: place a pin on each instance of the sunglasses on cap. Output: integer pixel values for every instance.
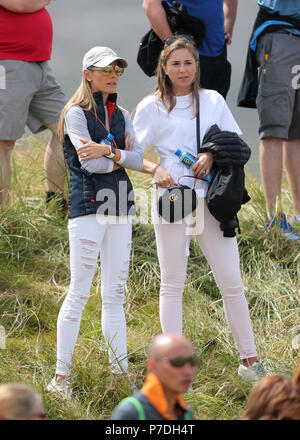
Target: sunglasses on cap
(180, 361)
(108, 70)
(186, 38)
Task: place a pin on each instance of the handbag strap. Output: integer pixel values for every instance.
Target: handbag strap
(198, 132)
(96, 116)
(138, 406)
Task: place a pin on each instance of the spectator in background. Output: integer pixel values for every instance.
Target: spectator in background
(20, 402)
(172, 365)
(271, 83)
(219, 18)
(273, 398)
(29, 93)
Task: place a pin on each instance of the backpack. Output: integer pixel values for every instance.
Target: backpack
(181, 23)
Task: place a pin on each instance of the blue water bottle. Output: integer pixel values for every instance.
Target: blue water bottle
(108, 140)
(188, 160)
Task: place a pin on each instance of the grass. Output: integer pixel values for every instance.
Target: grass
(34, 280)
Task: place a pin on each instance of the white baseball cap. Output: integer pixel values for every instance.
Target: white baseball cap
(101, 56)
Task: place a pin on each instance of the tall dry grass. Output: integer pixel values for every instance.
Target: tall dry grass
(34, 279)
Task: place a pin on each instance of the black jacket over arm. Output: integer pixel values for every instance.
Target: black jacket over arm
(226, 192)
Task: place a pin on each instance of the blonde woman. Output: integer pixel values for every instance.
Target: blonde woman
(167, 120)
(101, 194)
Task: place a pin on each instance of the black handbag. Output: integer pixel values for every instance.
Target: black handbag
(176, 203)
(181, 23)
(179, 201)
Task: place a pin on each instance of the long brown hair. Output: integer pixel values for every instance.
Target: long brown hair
(274, 397)
(83, 97)
(164, 88)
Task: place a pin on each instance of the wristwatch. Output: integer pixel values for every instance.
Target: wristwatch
(112, 152)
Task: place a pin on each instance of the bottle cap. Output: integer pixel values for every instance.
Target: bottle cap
(110, 137)
(178, 152)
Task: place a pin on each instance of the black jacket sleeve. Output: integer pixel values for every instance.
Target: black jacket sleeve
(226, 147)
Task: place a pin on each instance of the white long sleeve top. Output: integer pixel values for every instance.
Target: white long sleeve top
(76, 128)
(154, 127)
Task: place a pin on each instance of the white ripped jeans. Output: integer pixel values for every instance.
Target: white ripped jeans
(88, 238)
(223, 257)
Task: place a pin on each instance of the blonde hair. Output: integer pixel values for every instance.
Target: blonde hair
(273, 398)
(17, 401)
(164, 88)
(82, 97)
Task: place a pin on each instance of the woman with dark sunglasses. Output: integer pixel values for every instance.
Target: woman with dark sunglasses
(101, 203)
(167, 120)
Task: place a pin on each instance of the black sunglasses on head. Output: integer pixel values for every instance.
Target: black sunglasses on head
(180, 361)
(186, 38)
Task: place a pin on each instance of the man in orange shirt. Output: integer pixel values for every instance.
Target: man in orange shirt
(172, 365)
(29, 93)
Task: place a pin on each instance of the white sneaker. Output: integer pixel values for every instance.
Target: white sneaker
(62, 387)
(253, 373)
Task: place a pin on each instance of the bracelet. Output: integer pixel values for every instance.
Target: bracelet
(154, 169)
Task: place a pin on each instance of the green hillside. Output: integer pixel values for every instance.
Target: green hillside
(34, 277)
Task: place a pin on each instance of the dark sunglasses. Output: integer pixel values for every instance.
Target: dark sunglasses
(179, 362)
(108, 70)
(186, 38)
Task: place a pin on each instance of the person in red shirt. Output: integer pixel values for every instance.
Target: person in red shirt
(29, 93)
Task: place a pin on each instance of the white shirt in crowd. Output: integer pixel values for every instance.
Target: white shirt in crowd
(154, 127)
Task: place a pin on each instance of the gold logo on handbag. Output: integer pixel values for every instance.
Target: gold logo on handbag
(173, 197)
(176, 203)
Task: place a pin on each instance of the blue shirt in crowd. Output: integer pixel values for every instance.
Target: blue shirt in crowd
(211, 13)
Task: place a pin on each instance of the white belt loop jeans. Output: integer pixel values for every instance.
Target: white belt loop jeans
(223, 257)
(89, 238)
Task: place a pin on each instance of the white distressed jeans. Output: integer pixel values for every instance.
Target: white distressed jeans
(88, 239)
(223, 257)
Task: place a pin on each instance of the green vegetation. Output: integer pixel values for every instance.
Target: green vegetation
(34, 279)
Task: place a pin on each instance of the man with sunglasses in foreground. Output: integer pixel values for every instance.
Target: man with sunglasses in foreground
(172, 365)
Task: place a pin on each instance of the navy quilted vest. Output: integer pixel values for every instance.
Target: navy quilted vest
(90, 193)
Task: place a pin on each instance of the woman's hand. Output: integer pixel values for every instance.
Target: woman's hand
(162, 178)
(92, 150)
(128, 143)
(203, 165)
